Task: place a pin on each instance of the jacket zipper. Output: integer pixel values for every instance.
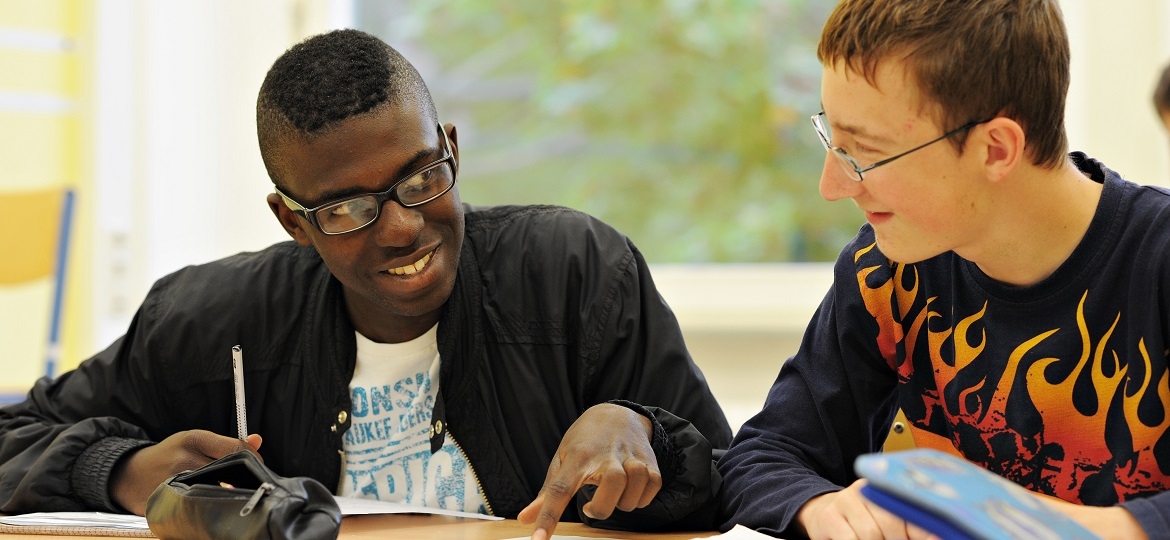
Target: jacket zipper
(474, 474)
(341, 478)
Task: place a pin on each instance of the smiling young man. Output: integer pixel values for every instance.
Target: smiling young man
(405, 347)
(1011, 299)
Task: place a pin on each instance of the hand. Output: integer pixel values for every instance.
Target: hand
(140, 471)
(609, 447)
(848, 514)
(1106, 522)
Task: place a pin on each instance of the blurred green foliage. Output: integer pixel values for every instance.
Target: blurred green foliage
(683, 123)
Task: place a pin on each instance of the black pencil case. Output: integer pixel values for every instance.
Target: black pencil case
(236, 496)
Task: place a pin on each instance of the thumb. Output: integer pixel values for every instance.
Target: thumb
(255, 440)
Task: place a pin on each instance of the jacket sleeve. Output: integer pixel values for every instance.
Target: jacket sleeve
(1153, 514)
(643, 364)
(58, 447)
(54, 456)
(831, 402)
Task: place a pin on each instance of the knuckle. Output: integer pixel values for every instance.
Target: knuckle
(614, 476)
(558, 489)
(636, 466)
(192, 441)
(547, 516)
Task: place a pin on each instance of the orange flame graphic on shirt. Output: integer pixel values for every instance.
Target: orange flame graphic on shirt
(1070, 449)
(1079, 435)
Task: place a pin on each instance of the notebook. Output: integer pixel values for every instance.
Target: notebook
(956, 499)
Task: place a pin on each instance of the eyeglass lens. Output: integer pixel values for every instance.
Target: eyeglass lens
(424, 186)
(821, 124)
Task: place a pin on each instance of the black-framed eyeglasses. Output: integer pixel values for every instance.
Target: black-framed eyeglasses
(422, 186)
(854, 169)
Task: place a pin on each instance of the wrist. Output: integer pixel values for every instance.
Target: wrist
(643, 412)
(806, 517)
(1119, 523)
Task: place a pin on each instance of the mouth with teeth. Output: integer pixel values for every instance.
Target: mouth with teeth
(412, 268)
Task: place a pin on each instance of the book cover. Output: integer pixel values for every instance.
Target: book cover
(956, 499)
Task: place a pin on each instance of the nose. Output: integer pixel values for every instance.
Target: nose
(835, 182)
(397, 226)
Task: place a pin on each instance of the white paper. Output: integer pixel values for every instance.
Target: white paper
(356, 506)
(739, 532)
(77, 519)
(349, 506)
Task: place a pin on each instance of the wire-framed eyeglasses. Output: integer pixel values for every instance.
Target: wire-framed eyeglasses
(422, 186)
(850, 165)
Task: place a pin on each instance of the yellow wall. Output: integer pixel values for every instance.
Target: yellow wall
(45, 63)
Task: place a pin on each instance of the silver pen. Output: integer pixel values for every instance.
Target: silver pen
(241, 410)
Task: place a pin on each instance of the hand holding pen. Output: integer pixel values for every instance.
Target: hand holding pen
(139, 471)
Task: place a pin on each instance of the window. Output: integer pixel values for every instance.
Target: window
(682, 123)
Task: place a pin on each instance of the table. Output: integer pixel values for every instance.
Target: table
(427, 527)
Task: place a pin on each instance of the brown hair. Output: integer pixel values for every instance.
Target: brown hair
(1162, 92)
(972, 59)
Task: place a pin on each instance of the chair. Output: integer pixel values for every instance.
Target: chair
(34, 238)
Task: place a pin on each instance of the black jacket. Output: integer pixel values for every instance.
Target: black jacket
(552, 312)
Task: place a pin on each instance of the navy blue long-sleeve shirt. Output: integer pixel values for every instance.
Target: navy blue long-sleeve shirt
(1061, 387)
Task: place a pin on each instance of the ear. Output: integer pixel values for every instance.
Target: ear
(1003, 140)
(288, 220)
(454, 138)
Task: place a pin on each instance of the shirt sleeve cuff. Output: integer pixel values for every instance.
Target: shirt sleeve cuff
(91, 472)
(1152, 519)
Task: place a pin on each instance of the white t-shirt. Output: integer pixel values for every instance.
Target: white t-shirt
(388, 446)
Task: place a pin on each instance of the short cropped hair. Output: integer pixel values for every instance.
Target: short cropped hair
(1162, 92)
(331, 77)
(972, 60)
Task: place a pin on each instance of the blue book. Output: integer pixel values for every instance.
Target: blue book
(956, 499)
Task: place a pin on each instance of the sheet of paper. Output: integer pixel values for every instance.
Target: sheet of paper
(349, 506)
(739, 532)
(77, 519)
(354, 506)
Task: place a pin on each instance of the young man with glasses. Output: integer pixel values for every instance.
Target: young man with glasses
(1011, 299)
(406, 347)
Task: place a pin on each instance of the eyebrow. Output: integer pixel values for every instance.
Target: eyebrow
(419, 159)
(862, 133)
(858, 131)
